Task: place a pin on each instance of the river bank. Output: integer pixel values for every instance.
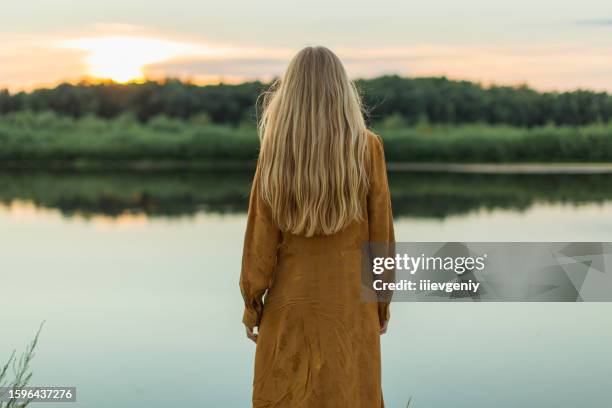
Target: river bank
(145, 166)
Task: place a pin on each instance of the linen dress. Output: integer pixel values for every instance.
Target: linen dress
(319, 340)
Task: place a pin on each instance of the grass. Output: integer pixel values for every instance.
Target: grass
(20, 366)
(480, 143)
(47, 139)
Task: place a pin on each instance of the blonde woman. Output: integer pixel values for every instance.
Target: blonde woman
(320, 193)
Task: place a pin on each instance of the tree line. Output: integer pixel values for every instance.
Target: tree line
(393, 98)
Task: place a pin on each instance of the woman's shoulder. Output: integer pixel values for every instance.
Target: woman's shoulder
(375, 145)
(373, 138)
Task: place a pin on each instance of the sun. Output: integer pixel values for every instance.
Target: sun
(122, 58)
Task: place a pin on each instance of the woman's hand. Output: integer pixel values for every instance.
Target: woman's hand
(383, 327)
(251, 335)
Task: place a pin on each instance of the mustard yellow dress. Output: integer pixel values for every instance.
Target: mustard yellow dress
(319, 340)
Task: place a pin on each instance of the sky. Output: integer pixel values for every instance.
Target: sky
(549, 45)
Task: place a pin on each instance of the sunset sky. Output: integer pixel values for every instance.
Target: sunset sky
(544, 43)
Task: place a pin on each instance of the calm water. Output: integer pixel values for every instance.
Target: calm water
(136, 277)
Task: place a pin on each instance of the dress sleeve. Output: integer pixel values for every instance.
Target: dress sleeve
(261, 242)
(380, 218)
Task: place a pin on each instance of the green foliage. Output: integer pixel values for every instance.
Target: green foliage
(47, 137)
(499, 144)
(393, 122)
(228, 104)
(434, 100)
(441, 100)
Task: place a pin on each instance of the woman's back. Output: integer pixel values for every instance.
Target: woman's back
(325, 266)
(318, 342)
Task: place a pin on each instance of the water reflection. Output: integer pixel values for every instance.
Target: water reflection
(169, 194)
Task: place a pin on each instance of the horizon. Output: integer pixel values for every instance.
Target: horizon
(91, 81)
(510, 43)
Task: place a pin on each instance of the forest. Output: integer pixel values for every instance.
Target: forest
(412, 100)
(419, 119)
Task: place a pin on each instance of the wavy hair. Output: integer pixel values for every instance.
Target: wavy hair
(313, 156)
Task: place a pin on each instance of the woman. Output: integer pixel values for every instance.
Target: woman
(319, 195)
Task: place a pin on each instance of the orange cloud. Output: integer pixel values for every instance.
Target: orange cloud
(29, 61)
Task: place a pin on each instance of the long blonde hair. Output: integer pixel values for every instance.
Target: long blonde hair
(313, 158)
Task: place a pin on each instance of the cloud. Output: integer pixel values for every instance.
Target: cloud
(556, 67)
(27, 61)
(219, 69)
(598, 22)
